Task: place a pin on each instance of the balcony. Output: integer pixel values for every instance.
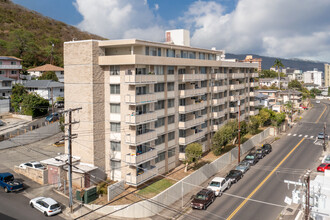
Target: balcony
(135, 119)
(216, 89)
(233, 109)
(192, 77)
(215, 128)
(170, 78)
(10, 67)
(142, 177)
(253, 103)
(192, 92)
(234, 98)
(220, 101)
(219, 76)
(254, 112)
(140, 79)
(236, 86)
(242, 117)
(192, 107)
(252, 94)
(237, 75)
(134, 140)
(216, 115)
(140, 99)
(255, 75)
(136, 159)
(254, 84)
(192, 138)
(193, 122)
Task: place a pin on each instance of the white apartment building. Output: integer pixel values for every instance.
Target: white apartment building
(144, 102)
(38, 71)
(313, 76)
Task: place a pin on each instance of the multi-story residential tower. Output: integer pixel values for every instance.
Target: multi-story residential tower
(10, 67)
(313, 76)
(326, 75)
(144, 102)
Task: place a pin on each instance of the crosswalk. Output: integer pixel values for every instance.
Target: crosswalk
(311, 137)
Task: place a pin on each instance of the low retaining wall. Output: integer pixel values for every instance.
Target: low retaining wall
(156, 204)
(37, 175)
(24, 117)
(115, 189)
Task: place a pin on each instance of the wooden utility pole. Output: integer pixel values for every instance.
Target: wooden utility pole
(307, 206)
(324, 137)
(69, 137)
(51, 90)
(239, 131)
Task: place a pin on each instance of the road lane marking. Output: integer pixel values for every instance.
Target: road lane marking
(300, 135)
(317, 121)
(263, 182)
(306, 136)
(294, 135)
(289, 134)
(312, 137)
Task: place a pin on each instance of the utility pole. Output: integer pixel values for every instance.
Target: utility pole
(69, 137)
(307, 206)
(51, 89)
(51, 54)
(324, 137)
(239, 130)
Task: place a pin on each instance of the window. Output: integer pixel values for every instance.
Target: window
(115, 164)
(182, 86)
(115, 146)
(170, 103)
(2, 72)
(182, 102)
(170, 70)
(182, 133)
(114, 89)
(143, 90)
(204, 125)
(202, 56)
(203, 70)
(170, 119)
(161, 157)
(159, 87)
(13, 72)
(114, 70)
(171, 136)
(182, 149)
(204, 84)
(160, 122)
(61, 90)
(192, 55)
(13, 63)
(142, 129)
(114, 108)
(171, 152)
(160, 140)
(140, 71)
(170, 86)
(160, 105)
(182, 71)
(159, 70)
(184, 54)
(170, 53)
(182, 117)
(115, 127)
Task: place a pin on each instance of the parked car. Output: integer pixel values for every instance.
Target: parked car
(326, 159)
(322, 136)
(323, 167)
(251, 158)
(261, 153)
(203, 199)
(2, 123)
(59, 143)
(9, 184)
(267, 148)
(48, 206)
(59, 104)
(219, 185)
(243, 166)
(234, 176)
(52, 117)
(32, 164)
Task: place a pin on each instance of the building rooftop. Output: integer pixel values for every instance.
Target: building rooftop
(42, 84)
(10, 58)
(60, 160)
(45, 68)
(2, 78)
(290, 91)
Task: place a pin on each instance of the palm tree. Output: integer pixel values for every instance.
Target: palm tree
(278, 64)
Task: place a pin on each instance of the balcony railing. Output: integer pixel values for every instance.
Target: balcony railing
(140, 99)
(218, 114)
(140, 79)
(137, 159)
(10, 67)
(192, 138)
(216, 89)
(237, 75)
(236, 86)
(192, 107)
(254, 112)
(252, 94)
(234, 98)
(192, 123)
(217, 127)
(192, 77)
(192, 92)
(253, 103)
(254, 84)
(136, 119)
(141, 178)
(220, 101)
(219, 76)
(133, 139)
(255, 75)
(233, 109)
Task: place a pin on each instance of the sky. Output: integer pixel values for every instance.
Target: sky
(280, 28)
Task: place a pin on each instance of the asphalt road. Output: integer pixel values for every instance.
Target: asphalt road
(267, 192)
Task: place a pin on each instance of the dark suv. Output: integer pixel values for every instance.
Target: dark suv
(251, 158)
(203, 199)
(267, 148)
(260, 153)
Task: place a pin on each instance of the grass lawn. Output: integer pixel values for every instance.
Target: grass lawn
(156, 188)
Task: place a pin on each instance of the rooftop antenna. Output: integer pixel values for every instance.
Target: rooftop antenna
(51, 53)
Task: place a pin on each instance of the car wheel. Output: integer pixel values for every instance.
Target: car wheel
(212, 199)
(31, 204)
(229, 185)
(6, 190)
(204, 207)
(45, 213)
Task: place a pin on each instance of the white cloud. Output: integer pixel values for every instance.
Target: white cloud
(283, 28)
(116, 19)
(156, 7)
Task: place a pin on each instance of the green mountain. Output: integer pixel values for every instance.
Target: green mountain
(29, 35)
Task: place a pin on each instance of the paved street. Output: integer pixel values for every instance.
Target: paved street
(293, 154)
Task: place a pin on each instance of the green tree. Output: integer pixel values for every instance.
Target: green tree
(279, 119)
(224, 135)
(193, 152)
(59, 99)
(254, 124)
(278, 64)
(264, 117)
(34, 105)
(269, 74)
(295, 84)
(17, 96)
(49, 75)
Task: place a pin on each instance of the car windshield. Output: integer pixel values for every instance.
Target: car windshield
(259, 151)
(322, 165)
(233, 173)
(55, 206)
(250, 157)
(200, 196)
(8, 178)
(38, 166)
(213, 183)
(327, 159)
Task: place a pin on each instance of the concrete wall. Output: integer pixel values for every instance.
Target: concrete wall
(24, 117)
(37, 175)
(156, 204)
(115, 189)
(4, 106)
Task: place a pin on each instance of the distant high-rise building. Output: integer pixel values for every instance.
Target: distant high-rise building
(327, 75)
(313, 76)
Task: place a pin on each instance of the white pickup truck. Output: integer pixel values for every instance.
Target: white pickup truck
(219, 185)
